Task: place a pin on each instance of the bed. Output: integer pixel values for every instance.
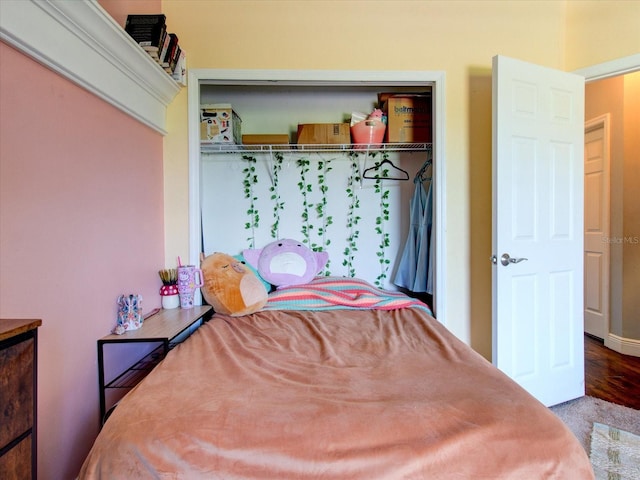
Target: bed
(331, 380)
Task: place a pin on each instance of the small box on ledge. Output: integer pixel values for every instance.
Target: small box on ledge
(219, 123)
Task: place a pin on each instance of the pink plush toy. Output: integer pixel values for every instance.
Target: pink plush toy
(377, 113)
(286, 262)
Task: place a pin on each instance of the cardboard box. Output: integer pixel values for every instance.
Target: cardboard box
(220, 124)
(408, 118)
(265, 139)
(324, 133)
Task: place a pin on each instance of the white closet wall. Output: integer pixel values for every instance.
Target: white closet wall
(225, 207)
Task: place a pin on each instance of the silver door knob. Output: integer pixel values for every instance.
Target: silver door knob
(505, 259)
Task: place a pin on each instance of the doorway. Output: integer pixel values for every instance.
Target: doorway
(596, 226)
(617, 334)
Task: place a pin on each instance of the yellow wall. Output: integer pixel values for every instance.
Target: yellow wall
(599, 31)
(458, 37)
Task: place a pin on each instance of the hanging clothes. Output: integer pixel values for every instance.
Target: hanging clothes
(432, 250)
(414, 271)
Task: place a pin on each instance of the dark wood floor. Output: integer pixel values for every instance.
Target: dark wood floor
(610, 375)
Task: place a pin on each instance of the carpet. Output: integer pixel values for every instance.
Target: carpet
(582, 414)
(615, 453)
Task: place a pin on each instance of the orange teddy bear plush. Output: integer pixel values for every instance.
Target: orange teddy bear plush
(231, 287)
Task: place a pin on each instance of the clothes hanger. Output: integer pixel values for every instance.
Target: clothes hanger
(399, 173)
(423, 171)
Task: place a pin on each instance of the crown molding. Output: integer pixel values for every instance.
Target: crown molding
(82, 42)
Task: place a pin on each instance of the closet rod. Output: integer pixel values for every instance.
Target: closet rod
(217, 148)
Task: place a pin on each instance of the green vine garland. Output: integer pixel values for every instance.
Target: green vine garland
(250, 179)
(305, 189)
(352, 216)
(380, 223)
(278, 205)
(324, 167)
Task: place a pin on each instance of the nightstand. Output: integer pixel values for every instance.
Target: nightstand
(167, 328)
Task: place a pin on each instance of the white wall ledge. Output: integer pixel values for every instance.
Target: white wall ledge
(82, 42)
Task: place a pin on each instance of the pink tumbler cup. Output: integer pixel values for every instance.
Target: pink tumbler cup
(189, 279)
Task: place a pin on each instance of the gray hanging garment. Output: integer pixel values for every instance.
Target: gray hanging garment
(413, 270)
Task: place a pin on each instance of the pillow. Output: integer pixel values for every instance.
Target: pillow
(231, 287)
(286, 262)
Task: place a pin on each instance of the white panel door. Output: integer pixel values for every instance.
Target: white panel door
(596, 227)
(538, 122)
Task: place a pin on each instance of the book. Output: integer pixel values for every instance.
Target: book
(147, 30)
(145, 19)
(174, 58)
(165, 46)
(180, 72)
(173, 43)
(156, 49)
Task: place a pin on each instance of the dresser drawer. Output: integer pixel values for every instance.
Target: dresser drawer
(16, 389)
(16, 463)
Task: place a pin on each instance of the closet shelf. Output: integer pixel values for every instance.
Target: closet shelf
(359, 148)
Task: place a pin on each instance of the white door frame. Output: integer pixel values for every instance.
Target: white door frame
(324, 77)
(613, 68)
(597, 123)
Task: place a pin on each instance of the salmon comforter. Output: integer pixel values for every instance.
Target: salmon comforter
(336, 393)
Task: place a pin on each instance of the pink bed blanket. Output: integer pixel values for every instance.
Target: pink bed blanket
(332, 394)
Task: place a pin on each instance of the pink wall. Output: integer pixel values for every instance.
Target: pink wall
(81, 221)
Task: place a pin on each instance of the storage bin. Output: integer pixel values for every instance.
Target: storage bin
(368, 132)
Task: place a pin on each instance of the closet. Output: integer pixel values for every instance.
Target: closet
(246, 196)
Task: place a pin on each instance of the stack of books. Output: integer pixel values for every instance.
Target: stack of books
(150, 32)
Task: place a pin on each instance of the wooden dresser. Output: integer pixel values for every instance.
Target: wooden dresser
(18, 376)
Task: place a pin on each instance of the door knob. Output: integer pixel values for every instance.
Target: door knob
(505, 259)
